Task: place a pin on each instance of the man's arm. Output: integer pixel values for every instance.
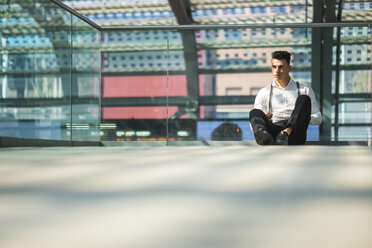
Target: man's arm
(316, 116)
(260, 103)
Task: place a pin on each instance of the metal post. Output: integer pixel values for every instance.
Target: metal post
(337, 83)
(306, 34)
(322, 43)
(182, 11)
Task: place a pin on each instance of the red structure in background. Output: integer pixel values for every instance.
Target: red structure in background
(143, 86)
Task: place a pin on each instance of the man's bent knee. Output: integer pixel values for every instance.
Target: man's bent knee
(304, 98)
(255, 112)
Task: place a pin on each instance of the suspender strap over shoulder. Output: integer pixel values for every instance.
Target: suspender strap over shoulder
(298, 89)
(271, 94)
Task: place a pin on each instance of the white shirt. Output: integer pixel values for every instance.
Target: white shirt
(283, 101)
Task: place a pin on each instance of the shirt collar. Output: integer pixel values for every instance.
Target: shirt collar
(291, 82)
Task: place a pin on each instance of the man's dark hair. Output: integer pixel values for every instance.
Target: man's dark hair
(282, 55)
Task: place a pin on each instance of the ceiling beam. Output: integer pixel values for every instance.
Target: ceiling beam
(182, 11)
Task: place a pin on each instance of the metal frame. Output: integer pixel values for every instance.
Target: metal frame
(77, 14)
(337, 79)
(236, 26)
(210, 26)
(182, 10)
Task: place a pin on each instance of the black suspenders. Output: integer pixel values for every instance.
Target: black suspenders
(271, 94)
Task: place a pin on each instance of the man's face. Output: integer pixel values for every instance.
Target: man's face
(280, 69)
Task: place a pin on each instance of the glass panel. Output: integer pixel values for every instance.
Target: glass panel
(157, 88)
(235, 65)
(36, 71)
(358, 133)
(86, 92)
(183, 80)
(356, 11)
(243, 12)
(135, 65)
(353, 113)
(125, 13)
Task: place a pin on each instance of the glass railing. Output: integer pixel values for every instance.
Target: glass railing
(170, 83)
(351, 81)
(231, 65)
(50, 73)
(86, 82)
(135, 84)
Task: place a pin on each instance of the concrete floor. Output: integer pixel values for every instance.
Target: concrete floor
(186, 197)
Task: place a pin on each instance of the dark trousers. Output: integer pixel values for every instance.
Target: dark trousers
(299, 121)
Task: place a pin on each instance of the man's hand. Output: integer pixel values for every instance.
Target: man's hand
(268, 114)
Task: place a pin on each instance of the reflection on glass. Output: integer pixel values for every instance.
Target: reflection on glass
(134, 75)
(354, 113)
(86, 94)
(354, 133)
(243, 12)
(353, 77)
(155, 87)
(36, 71)
(237, 72)
(50, 81)
(232, 66)
(125, 13)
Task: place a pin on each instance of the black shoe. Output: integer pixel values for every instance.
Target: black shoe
(263, 138)
(282, 138)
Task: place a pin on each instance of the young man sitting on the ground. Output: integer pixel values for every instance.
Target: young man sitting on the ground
(284, 109)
